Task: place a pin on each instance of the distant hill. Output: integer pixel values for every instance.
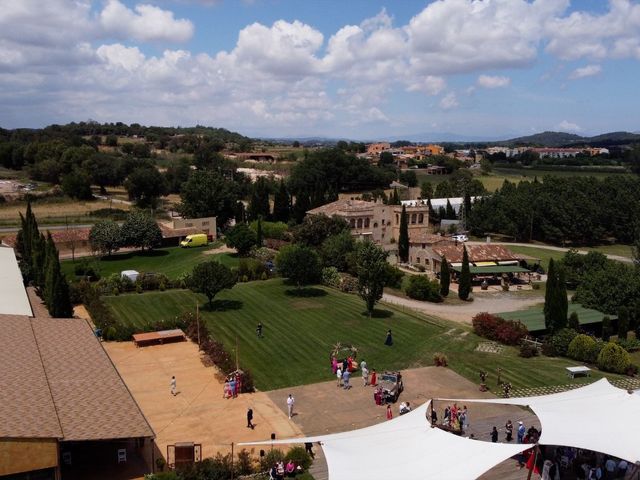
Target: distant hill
(562, 139)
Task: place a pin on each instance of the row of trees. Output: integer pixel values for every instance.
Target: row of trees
(578, 210)
(139, 230)
(40, 266)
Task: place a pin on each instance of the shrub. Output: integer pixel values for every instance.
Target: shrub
(583, 348)
(299, 456)
(264, 254)
(277, 230)
(152, 281)
(331, 277)
(630, 345)
(509, 332)
(394, 277)
(271, 458)
(244, 464)
(561, 339)
(419, 287)
(348, 283)
(614, 358)
(88, 269)
(440, 359)
(574, 321)
(527, 350)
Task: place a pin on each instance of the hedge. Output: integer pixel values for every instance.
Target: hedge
(509, 332)
(583, 348)
(614, 358)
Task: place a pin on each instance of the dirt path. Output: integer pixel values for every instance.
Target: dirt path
(619, 258)
(463, 312)
(221, 249)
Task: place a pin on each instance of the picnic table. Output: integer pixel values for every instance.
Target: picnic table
(582, 370)
(163, 336)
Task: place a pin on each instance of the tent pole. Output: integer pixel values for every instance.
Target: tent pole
(535, 459)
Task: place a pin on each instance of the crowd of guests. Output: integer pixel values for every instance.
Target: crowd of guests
(232, 386)
(555, 463)
(454, 418)
(279, 470)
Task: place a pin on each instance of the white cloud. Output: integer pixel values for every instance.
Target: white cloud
(586, 71)
(146, 23)
(449, 101)
(432, 85)
(487, 81)
(566, 126)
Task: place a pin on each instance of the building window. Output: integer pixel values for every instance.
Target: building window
(366, 223)
(188, 224)
(397, 219)
(375, 225)
(205, 223)
(423, 246)
(413, 218)
(420, 218)
(359, 223)
(418, 260)
(352, 223)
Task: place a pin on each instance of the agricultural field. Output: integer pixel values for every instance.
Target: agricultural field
(171, 261)
(300, 331)
(55, 211)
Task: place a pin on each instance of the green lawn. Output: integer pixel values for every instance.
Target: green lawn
(541, 253)
(300, 331)
(172, 261)
(615, 249)
(533, 317)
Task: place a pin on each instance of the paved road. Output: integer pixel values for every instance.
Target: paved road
(619, 258)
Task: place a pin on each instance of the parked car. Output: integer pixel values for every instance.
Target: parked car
(459, 238)
(392, 386)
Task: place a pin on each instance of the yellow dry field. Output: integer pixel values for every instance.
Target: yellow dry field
(72, 210)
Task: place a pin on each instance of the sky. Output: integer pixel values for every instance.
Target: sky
(356, 69)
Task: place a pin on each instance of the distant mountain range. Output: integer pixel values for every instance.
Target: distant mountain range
(544, 139)
(561, 139)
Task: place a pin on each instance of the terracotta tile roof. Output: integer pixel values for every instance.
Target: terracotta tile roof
(429, 238)
(91, 399)
(342, 206)
(59, 236)
(477, 253)
(26, 406)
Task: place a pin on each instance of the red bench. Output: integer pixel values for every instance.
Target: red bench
(163, 336)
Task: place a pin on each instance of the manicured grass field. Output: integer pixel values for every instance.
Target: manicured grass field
(615, 249)
(533, 317)
(172, 261)
(541, 253)
(299, 333)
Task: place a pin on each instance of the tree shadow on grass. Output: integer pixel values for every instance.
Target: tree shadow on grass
(306, 292)
(378, 313)
(138, 253)
(223, 305)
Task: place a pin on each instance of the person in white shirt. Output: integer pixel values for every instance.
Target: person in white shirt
(290, 402)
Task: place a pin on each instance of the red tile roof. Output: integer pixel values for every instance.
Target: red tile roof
(342, 206)
(59, 236)
(477, 253)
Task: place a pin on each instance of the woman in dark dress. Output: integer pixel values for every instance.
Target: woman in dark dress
(389, 341)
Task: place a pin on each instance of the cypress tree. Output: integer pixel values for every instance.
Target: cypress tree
(50, 275)
(282, 204)
(549, 297)
(467, 209)
(432, 213)
(60, 303)
(259, 233)
(450, 213)
(39, 260)
(303, 203)
(259, 201)
(464, 282)
(606, 328)
(574, 321)
(563, 302)
(445, 277)
(396, 198)
(403, 239)
(623, 322)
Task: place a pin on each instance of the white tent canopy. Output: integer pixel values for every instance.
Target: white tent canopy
(406, 447)
(598, 417)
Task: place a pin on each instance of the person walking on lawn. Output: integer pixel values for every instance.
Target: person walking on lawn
(290, 402)
(259, 330)
(250, 419)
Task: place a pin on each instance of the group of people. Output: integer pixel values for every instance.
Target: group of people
(232, 386)
(343, 370)
(279, 470)
(453, 418)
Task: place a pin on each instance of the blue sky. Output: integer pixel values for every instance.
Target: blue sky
(360, 69)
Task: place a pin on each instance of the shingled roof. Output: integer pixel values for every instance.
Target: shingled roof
(477, 253)
(59, 382)
(342, 206)
(26, 405)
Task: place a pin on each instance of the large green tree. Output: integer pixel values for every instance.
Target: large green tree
(403, 237)
(299, 263)
(242, 238)
(445, 277)
(210, 278)
(140, 230)
(464, 280)
(77, 184)
(145, 186)
(315, 229)
(371, 266)
(338, 251)
(105, 237)
(209, 194)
